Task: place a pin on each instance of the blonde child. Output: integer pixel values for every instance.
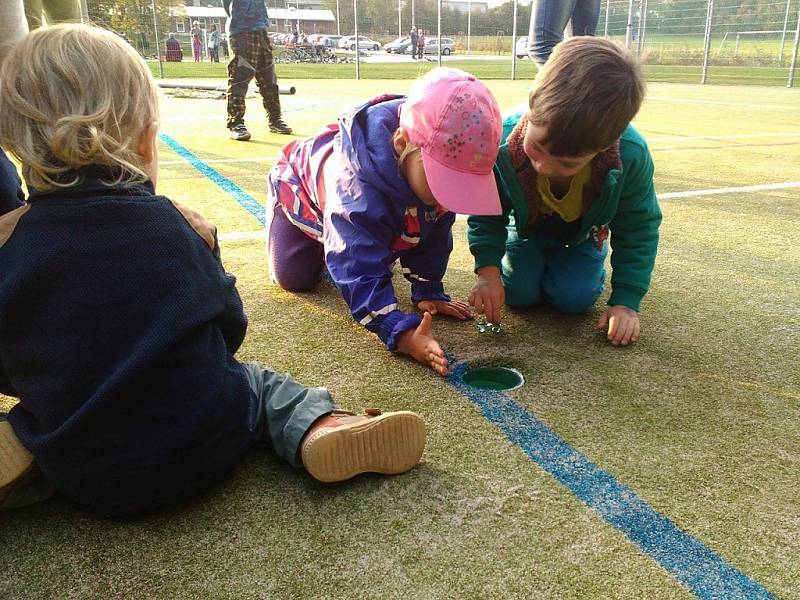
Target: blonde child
(572, 171)
(118, 322)
(381, 185)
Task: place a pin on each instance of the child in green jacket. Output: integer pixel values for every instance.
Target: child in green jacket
(572, 171)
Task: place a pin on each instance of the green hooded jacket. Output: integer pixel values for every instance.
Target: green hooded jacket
(626, 206)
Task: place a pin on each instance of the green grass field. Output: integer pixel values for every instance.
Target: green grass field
(525, 70)
(701, 418)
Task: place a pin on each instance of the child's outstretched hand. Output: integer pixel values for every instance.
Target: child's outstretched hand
(419, 344)
(453, 308)
(622, 323)
(488, 295)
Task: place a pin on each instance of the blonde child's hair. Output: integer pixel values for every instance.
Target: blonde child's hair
(72, 96)
(585, 95)
(406, 154)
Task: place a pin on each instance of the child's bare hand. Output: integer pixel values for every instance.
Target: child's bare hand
(488, 295)
(419, 344)
(453, 308)
(622, 324)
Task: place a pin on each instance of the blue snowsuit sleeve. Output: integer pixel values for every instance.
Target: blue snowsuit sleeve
(425, 265)
(11, 195)
(359, 258)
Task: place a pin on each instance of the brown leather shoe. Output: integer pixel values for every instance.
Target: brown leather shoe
(375, 442)
(15, 460)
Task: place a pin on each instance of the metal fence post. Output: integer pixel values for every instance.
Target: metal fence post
(794, 52)
(358, 52)
(785, 25)
(707, 47)
(608, 10)
(642, 25)
(629, 28)
(438, 31)
(158, 44)
(514, 43)
(469, 24)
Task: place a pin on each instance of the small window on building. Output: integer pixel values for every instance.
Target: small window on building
(202, 21)
(180, 26)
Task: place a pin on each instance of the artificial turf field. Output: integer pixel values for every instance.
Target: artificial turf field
(700, 420)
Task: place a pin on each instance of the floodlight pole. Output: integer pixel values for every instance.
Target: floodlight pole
(785, 25)
(608, 10)
(642, 26)
(413, 14)
(438, 31)
(399, 18)
(338, 29)
(514, 43)
(629, 28)
(469, 24)
(85, 12)
(358, 54)
(794, 52)
(158, 43)
(707, 46)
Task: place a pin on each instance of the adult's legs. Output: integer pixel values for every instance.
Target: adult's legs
(295, 260)
(574, 276)
(62, 11)
(584, 17)
(240, 73)
(548, 20)
(12, 24)
(267, 82)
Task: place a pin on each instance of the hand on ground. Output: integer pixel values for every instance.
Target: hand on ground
(419, 344)
(452, 308)
(622, 324)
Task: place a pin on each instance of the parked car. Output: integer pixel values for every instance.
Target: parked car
(432, 46)
(331, 41)
(399, 46)
(521, 49)
(364, 43)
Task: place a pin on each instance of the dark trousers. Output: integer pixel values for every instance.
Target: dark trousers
(252, 57)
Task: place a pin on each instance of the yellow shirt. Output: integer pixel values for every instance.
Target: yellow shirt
(570, 207)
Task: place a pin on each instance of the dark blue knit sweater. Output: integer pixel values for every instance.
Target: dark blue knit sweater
(118, 326)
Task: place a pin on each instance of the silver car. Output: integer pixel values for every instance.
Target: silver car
(432, 46)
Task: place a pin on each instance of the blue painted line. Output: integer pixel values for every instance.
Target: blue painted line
(244, 199)
(686, 558)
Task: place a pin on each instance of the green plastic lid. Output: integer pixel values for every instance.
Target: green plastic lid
(494, 378)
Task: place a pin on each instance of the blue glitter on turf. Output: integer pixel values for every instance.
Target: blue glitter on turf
(686, 558)
(244, 199)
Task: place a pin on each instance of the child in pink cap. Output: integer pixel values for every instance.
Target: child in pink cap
(380, 185)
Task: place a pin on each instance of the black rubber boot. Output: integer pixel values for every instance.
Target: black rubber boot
(273, 105)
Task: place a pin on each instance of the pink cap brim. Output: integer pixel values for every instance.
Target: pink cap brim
(463, 193)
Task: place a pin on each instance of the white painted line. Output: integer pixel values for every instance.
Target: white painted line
(677, 138)
(717, 103)
(213, 161)
(241, 235)
(254, 235)
(730, 190)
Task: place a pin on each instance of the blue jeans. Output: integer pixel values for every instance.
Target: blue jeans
(570, 278)
(550, 17)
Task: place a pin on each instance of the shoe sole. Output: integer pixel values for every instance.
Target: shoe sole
(241, 139)
(15, 460)
(390, 444)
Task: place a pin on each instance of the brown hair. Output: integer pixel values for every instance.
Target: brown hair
(73, 96)
(585, 95)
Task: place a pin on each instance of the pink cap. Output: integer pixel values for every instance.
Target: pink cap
(455, 120)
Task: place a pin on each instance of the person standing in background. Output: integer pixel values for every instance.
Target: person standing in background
(413, 37)
(252, 56)
(549, 18)
(197, 42)
(420, 43)
(213, 44)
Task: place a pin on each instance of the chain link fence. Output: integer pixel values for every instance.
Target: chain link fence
(688, 41)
